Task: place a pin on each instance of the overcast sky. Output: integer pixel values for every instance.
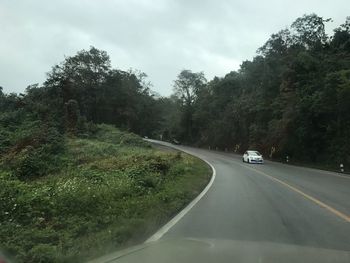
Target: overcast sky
(159, 37)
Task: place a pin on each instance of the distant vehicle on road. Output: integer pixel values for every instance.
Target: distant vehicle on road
(252, 157)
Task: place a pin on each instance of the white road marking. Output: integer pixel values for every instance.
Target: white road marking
(305, 195)
(164, 229)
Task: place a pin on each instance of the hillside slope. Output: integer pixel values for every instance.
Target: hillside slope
(109, 190)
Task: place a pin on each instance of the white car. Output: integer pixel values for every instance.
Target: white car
(252, 157)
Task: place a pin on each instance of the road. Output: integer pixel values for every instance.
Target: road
(272, 202)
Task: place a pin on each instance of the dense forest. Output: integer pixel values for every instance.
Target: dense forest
(79, 93)
(292, 99)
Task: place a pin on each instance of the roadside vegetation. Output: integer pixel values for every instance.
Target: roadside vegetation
(105, 192)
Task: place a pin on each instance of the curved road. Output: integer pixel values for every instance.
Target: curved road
(273, 202)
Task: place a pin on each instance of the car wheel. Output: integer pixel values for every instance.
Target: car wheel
(248, 161)
(242, 159)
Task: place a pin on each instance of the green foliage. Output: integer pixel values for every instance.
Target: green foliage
(72, 116)
(108, 133)
(108, 191)
(310, 30)
(86, 85)
(30, 149)
(187, 87)
(293, 96)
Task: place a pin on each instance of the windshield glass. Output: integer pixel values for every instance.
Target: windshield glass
(123, 122)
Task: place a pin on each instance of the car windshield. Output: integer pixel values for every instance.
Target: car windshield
(126, 121)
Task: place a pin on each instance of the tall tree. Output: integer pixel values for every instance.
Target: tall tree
(187, 87)
(309, 31)
(79, 78)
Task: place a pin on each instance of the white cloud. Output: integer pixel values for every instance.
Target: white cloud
(159, 37)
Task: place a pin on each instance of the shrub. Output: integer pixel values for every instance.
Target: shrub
(104, 195)
(35, 151)
(43, 253)
(108, 133)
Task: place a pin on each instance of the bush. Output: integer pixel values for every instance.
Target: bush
(108, 133)
(33, 151)
(30, 162)
(104, 195)
(43, 253)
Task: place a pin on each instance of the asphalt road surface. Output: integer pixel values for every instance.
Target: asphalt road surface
(272, 202)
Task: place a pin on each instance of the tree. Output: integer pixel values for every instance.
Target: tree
(187, 87)
(309, 31)
(104, 94)
(188, 84)
(341, 38)
(79, 78)
(277, 44)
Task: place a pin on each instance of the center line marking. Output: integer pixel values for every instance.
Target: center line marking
(309, 197)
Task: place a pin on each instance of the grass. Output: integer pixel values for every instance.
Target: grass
(319, 166)
(112, 191)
